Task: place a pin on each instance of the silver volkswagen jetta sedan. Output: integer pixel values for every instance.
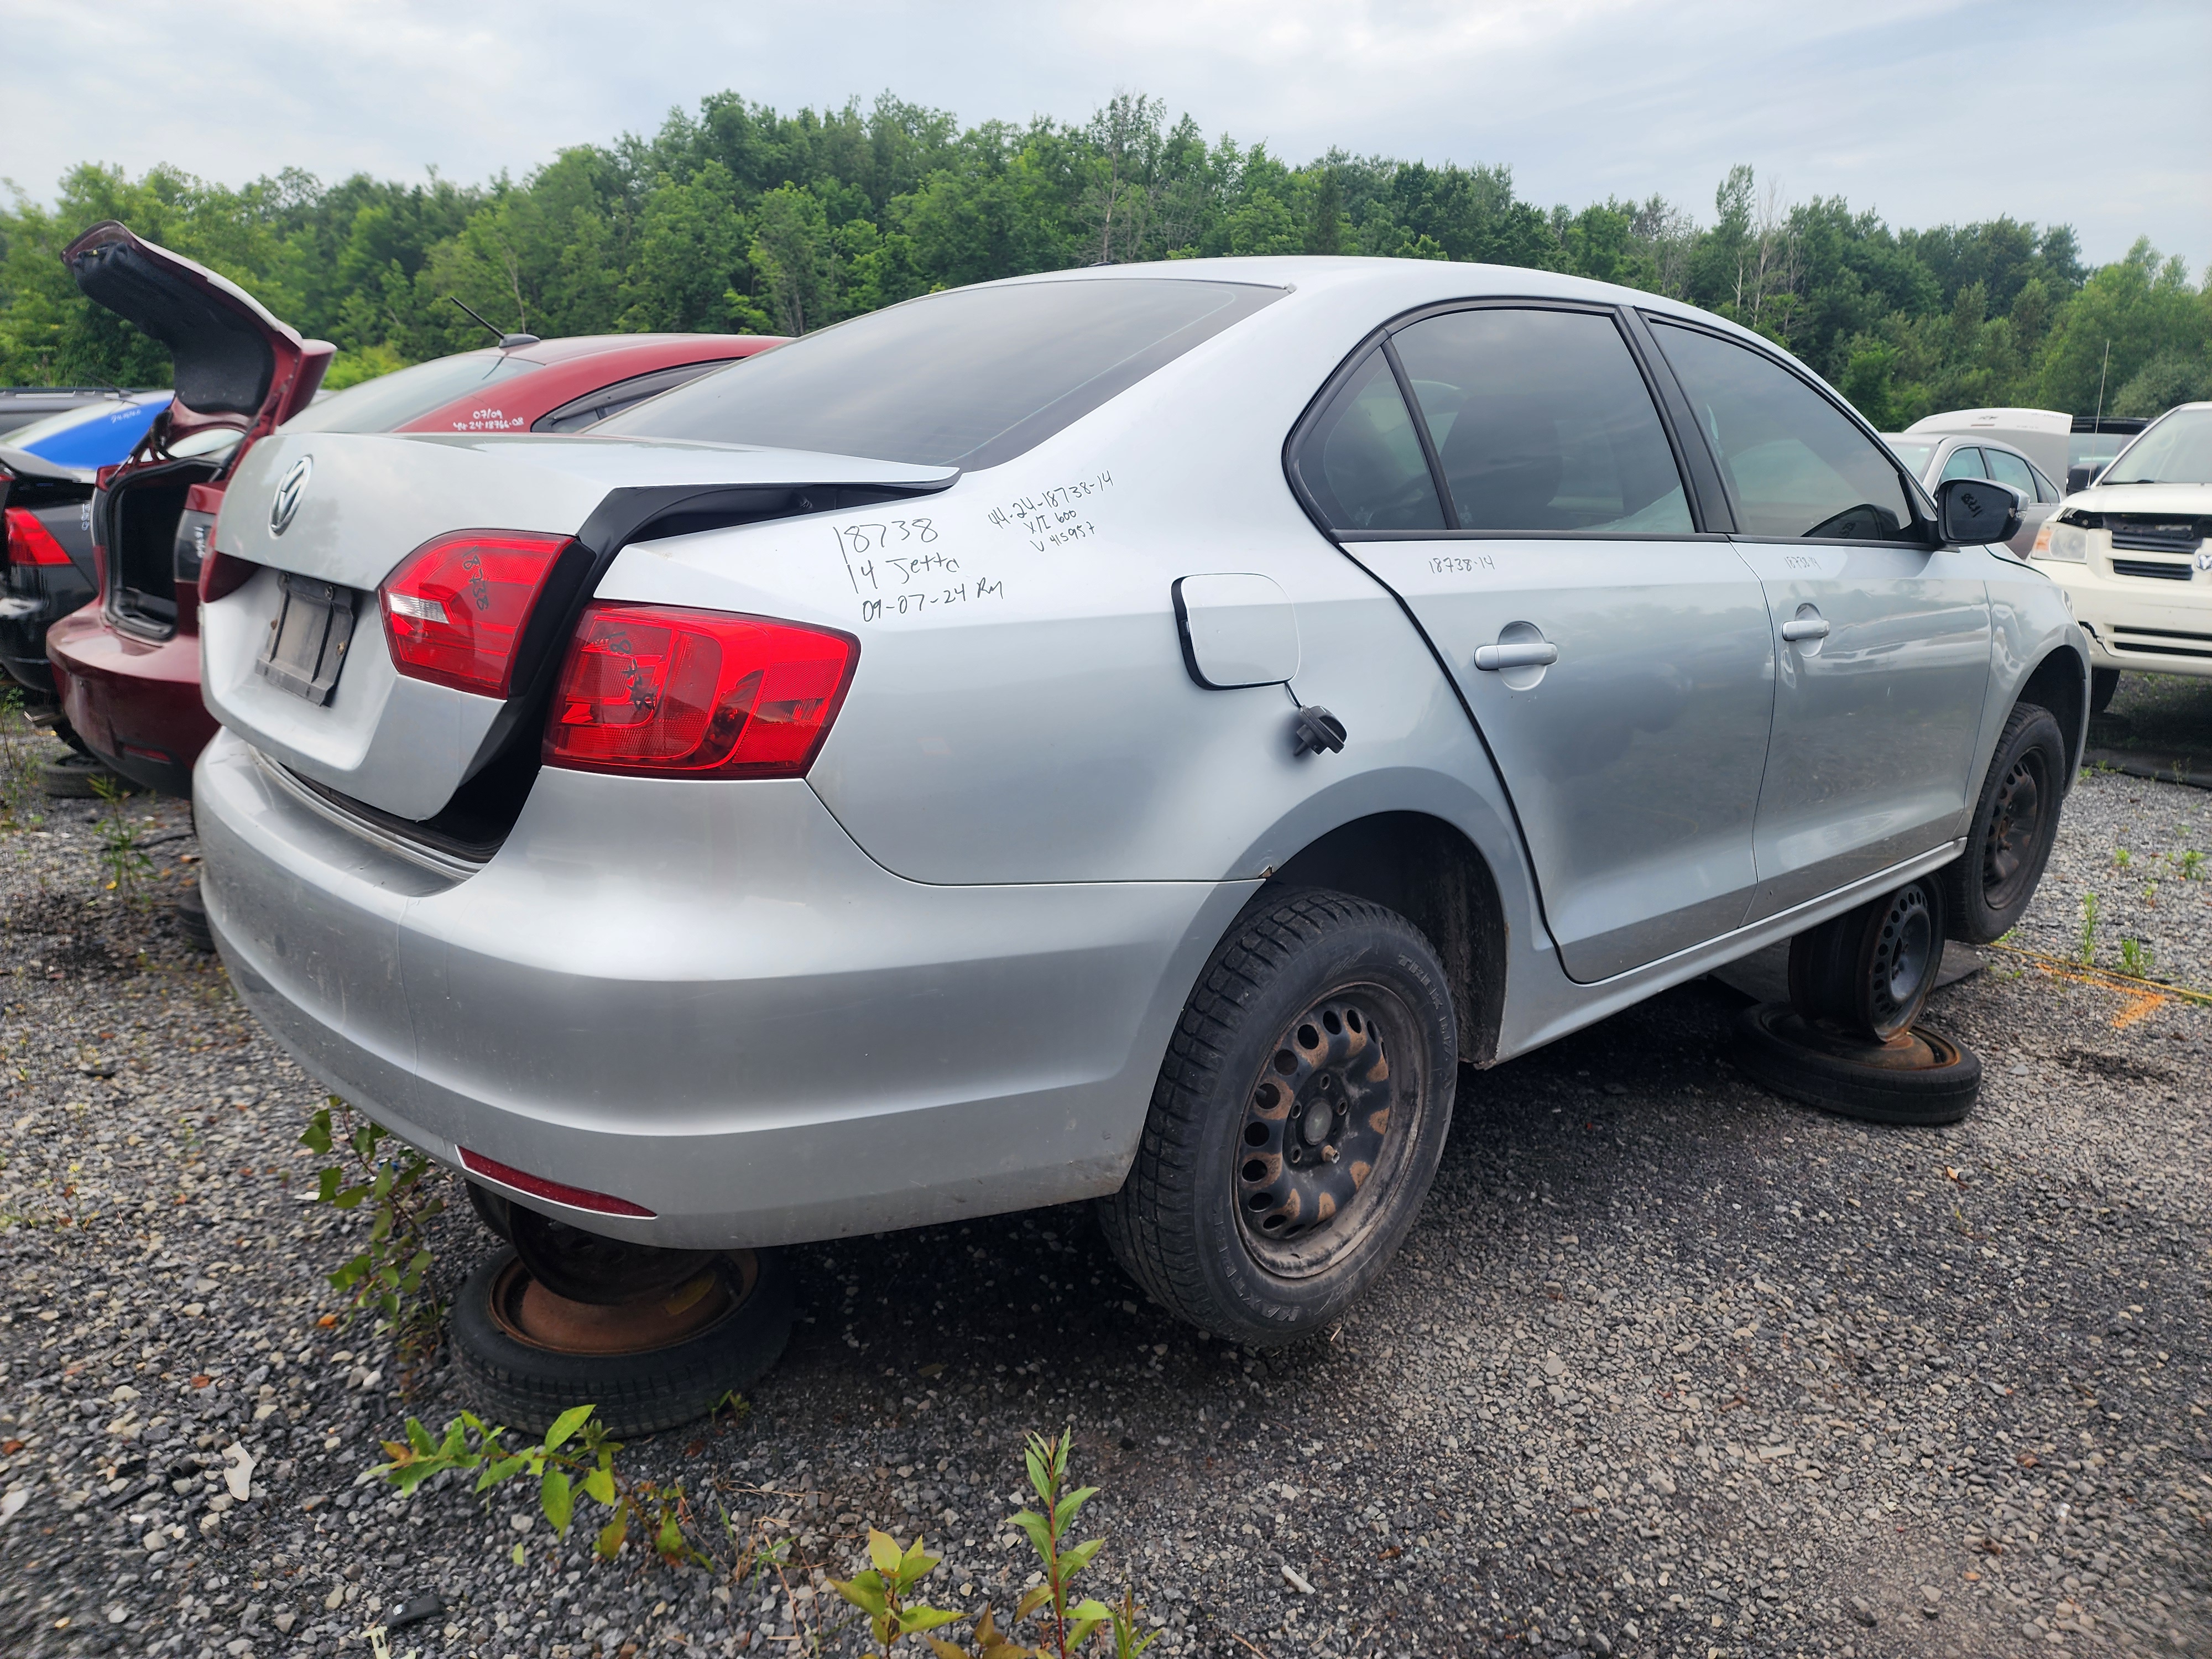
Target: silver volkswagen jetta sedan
(1129, 733)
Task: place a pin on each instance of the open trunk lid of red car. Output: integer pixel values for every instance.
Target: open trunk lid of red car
(235, 365)
(508, 535)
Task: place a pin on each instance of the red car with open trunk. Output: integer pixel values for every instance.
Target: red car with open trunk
(127, 667)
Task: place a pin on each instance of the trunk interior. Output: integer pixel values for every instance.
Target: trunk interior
(142, 516)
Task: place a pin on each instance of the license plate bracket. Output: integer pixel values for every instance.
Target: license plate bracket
(308, 642)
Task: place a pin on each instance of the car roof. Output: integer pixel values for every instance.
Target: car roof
(1393, 286)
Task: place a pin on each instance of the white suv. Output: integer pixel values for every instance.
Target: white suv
(2134, 553)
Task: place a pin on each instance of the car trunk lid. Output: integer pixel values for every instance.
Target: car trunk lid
(318, 522)
(235, 365)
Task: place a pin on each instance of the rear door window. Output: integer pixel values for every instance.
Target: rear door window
(1361, 463)
(1796, 465)
(969, 378)
(1542, 421)
(2007, 468)
(1966, 462)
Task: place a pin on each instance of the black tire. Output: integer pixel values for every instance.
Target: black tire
(1867, 972)
(1921, 1078)
(2102, 683)
(191, 912)
(1189, 1224)
(525, 1385)
(2014, 826)
(70, 778)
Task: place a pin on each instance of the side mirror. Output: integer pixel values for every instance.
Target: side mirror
(1977, 510)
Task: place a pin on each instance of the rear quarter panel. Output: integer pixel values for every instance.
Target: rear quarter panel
(1022, 712)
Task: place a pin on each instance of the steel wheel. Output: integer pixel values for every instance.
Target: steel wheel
(1867, 973)
(1301, 1108)
(2014, 827)
(1902, 961)
(2010, 852)
(1318, 1124)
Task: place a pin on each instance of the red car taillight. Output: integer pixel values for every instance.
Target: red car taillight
(660, 691)
(454, 611)
(29, 542)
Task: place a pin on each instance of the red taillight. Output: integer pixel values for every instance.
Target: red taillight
(454, 611)
(580, 1197)
(222, 575)
(30, 541)
(650, 689)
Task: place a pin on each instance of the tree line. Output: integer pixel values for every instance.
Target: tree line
(739, 218)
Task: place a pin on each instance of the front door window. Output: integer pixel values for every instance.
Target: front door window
(1796, 465)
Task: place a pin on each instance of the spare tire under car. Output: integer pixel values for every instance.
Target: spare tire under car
(526, 1355)
(1849, 1040)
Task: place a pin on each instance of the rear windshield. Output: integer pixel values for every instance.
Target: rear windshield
(968, 379)
(1914, 455)
(2094, 448)
(390, 401)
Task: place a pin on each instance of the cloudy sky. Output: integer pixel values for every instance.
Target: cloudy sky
(2091, 112)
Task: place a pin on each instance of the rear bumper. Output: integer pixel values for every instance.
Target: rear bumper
(703, 999)
(2140, 623)
(135, 703)
(24, 620)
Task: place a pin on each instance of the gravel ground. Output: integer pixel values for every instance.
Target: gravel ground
(2127, 841)
(2160, 725)
(1669, 1366)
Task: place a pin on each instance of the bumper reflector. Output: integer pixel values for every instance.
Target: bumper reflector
(577, 1198)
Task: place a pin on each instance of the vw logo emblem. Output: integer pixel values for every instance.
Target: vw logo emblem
(290, 489)
(2204, 558)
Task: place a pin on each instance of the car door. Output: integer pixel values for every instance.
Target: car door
(1503, 469)
(1882, 635)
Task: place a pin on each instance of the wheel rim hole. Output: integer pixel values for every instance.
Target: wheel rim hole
(1331, 1024)
(1351, 1021)
(1308, 1037)
(1256, 1170)
(1255, 1134)
(1286, 1062)
(1267, 1095)
(1263, 1200)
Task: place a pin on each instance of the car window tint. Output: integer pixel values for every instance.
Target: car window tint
(406, 394)
(969, 378)
(1361, 462)
(1795, 464)
(2007, 468)
(1966, 462)
(2045, 489)
(1542, 421)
